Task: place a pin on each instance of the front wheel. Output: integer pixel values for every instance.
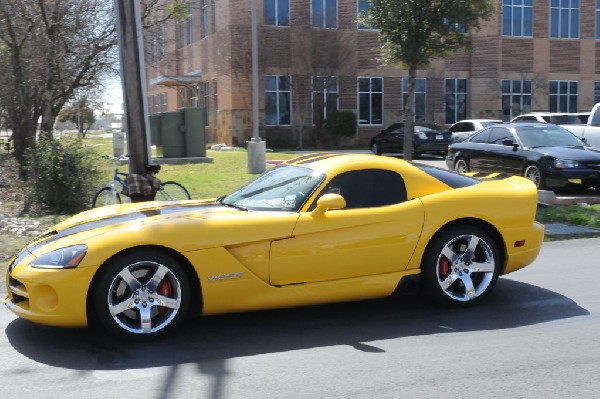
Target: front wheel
(461, 267)
(461, 165)
(172, 191)
(141, 295)
(106, 196)
(533, 173)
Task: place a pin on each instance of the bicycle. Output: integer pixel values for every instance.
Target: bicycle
(109, 195)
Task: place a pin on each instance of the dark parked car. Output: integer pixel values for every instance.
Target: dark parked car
(547, 154)
(428, 137)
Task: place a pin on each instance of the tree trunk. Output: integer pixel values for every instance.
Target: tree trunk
(409, 115)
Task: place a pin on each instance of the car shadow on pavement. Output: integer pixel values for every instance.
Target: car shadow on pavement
(203, 340)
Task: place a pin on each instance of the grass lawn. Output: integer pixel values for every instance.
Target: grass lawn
(226, 173)
(572, 214)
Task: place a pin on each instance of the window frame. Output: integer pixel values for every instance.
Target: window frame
(324, 23)
(280, 20)
(560, 95)
(331, 88)
(558, 10)
(513, 8)
(278, 92)
(455, 94)
(371, 96)
(418, 93)
(511, 94)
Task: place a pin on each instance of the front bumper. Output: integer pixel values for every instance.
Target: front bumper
(54, 297)
(559, 178)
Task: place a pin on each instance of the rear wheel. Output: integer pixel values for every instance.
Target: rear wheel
(105, 197)
(141, 295)
(461, 266)
(461, 165)
(533, 173)
(375, 149)
(171, 191)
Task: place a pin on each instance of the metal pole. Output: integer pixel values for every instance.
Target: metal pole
(256, 147)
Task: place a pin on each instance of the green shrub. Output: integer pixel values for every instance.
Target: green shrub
(62, 175)
(341, 123)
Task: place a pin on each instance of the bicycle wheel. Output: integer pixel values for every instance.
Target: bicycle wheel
(172, 191)
(105, 197)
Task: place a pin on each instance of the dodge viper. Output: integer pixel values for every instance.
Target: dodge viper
(319, 228)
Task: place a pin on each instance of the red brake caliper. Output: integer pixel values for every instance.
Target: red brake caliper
(444, 267)
(165, 289)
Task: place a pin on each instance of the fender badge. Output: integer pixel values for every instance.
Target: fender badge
(228, 276)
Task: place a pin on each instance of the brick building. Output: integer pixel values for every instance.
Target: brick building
(533, 55)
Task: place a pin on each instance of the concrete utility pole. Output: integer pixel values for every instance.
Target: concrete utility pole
(133, 80)
(256, 147)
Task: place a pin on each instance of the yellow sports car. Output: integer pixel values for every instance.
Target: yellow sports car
(319, 228)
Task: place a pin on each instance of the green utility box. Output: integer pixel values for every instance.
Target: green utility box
(180, 133)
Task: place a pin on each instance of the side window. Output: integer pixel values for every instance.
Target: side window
(459, 127)
(481, 137)
(367, 188)
(469, 127)
(498, 134)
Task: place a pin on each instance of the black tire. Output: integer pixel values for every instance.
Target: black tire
(469, 276)
(375, 149)
(461, 165)
(105, 197)
(141, 281)
(534, 173)
(171, 191)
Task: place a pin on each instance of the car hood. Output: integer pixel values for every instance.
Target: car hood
(184, 226)
(573, 153)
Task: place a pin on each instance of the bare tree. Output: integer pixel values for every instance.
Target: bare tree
(52, 48)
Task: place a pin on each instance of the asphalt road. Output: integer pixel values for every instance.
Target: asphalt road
(538, 336)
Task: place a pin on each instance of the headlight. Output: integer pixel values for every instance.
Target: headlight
(64, 258)
(566, 163)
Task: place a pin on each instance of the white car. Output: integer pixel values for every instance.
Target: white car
(463, 129)
(558, 118)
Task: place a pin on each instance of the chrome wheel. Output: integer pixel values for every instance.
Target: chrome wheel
(461, 266)
(533, 173)
(465, 268)
(141, 295)
(461, 165)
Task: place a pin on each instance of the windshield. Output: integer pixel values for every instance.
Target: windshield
(547, 136)
(283, 188)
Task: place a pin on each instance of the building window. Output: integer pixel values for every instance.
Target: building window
(153, 46)
(596, 92)
(420, 105)
(456, 100)
(324, 13)
(564, 19)
(324, 96)
(161, 41)
(563, 96)
(597, 19)
(277, 12)
(516, 98)
(206, 101)
(194, 96)
(278, 100)
(370, 101)
(361, 7)
(216, 95)
(517, 18)
(183, 94)
(181, 34)
(203, 18)
(190, 26)
(163, 102)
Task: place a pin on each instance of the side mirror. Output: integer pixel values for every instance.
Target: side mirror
(329, 201)
(510, 143)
